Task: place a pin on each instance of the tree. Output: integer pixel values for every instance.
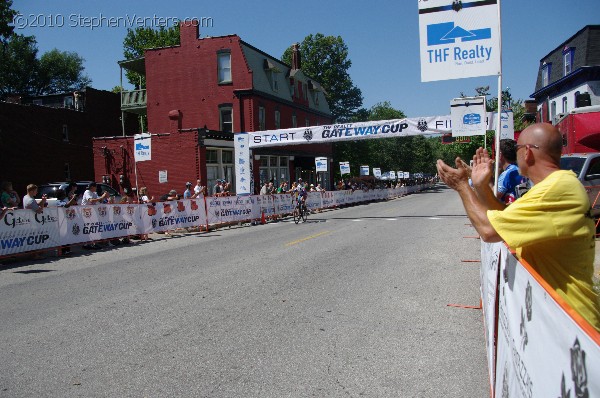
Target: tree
(61, 71)
(19, 66)
(138, 40)
(325, 59)
(6, 18)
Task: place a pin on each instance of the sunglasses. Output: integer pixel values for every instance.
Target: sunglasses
(519, 146)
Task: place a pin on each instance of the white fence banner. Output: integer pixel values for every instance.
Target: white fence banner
(542, 352)
(25, 230)
(283, 203)
(80, 224)
(174, 214)
(490, 257)
(313, 200)
(226, 209)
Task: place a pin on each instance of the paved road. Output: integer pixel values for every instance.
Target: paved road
(352, 303)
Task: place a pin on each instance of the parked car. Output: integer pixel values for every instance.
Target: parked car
(587, 168)
(50, 191)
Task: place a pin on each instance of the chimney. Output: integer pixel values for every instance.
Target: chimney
(296, 64)
(188, 31)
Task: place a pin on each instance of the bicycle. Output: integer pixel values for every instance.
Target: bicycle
(300, 213)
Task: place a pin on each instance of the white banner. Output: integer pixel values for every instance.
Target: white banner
(459, 39)
(364, 170)
(142, 147)
(376, 172)
(542, 352)
(490, 256)
(225, 209)
(80, 224)
(24, 230)
(242, 164)
(165, 216)
(320, 164)
(507, 125)
(392, 175)
(344, 168)
(468, 116)
(406, 174)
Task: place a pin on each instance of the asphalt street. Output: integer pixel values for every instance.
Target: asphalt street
(352, 303)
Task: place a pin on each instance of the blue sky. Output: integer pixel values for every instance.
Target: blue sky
(382, 37)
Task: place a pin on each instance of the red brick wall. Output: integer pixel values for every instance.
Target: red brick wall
(177, 153)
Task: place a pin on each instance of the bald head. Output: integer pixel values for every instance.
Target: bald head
(547, 137)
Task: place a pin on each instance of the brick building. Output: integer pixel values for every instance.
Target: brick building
(201, 92)
(49, 138)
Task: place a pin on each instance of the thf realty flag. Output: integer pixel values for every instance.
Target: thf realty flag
(142, 147)
(459, 39)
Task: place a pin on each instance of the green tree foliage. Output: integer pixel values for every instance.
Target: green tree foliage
(325, 59)
(138, 40)
(61, 71)
(6, 17)
(19, 62)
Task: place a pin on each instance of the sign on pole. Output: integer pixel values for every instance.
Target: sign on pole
(344, 168)
(377, 172)
(468, 116)
(392, 175)
(507, 125)
(364, 170)
(142, 144)
(459, 39)
(321, 164)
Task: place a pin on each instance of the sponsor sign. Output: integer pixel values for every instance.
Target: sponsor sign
(459, 39)
(142, 144)
(542, 352)
(162, 176)
(165, 216)
(321, 164)
(468, 116)
(507, 124)
(103, 221)
(392, 175)
(243, 172)
(364, 170)
(344, 168)
(24, 230)
(406, 174)
(233, 208)
(377, 172)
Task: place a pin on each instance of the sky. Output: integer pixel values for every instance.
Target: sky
(382, 38)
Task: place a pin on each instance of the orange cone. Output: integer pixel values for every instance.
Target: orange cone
(262, 218)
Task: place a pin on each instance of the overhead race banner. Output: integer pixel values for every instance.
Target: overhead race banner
(344, 168)
(321, 164)
(458, 39)
(142, 147)
(468, 116)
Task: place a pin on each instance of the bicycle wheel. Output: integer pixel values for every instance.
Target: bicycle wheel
(304, 213)
(296, 214)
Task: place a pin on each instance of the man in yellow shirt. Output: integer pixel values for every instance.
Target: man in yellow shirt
(551, 227)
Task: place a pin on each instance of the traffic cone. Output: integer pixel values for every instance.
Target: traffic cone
(262, 218)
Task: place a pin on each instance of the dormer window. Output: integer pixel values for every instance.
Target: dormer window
(272, 70)
(546, 67)
(568, 60)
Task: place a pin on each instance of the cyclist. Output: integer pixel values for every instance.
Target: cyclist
(301, 193)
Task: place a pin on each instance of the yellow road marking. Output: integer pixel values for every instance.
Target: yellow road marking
(307, 238)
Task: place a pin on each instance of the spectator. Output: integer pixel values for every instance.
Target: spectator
(90, 197)
(340, 185)
(318, 188)
(172, 195)
(199, 189)
(29, 201)
(9, 197)
(265, 189)
(218, 188)
(144, 196)
(510, 177)
(551, 227)
(188, 193)
(226, 187)
(293, 187)
(63, 201)
(312, 188)
(126, 198)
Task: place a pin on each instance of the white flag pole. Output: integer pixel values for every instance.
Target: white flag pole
(498, 124)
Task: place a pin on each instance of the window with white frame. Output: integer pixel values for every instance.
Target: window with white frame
(226, 118)
(219, 166)
(261, 118)
(277, 120)
(553, 111)
(564, 105)
(224, 66)
(65, 132)
(546, 74)
(274, 168)
(568, 60)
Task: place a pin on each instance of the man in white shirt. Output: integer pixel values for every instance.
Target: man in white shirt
(90, 197)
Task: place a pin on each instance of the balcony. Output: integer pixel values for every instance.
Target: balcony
(134, 101)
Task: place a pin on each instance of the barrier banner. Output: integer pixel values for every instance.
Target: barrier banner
(226, 209)
(283, 203)
(542, 351)
(490, 257)
(265, 205)
(79, 224)
(165, 216)
(340, 197)
(313, 200)
(327, 199)
(24, 230)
